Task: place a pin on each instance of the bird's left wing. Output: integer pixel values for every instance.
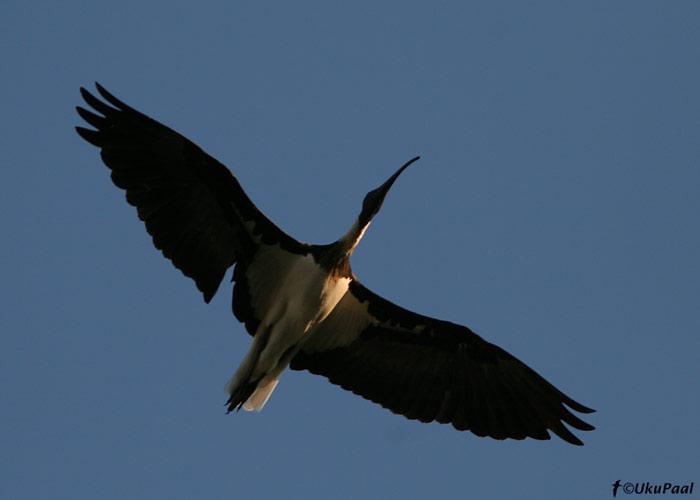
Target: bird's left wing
(193, 206)
(427, 369)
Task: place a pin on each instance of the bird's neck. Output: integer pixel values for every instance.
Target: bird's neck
(347, 244)
(336, 259)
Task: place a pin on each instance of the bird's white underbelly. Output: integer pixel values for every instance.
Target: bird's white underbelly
(304, 298)
(289, 295)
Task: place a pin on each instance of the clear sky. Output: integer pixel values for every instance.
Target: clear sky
(554, 211)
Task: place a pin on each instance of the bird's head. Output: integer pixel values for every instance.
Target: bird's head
(374, 199)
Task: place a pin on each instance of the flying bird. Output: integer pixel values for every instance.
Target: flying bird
(303, 305)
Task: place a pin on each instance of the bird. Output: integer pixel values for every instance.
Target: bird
(303, 305)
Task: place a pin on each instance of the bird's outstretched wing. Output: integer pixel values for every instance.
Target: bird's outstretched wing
(427, 369)
(192, 205)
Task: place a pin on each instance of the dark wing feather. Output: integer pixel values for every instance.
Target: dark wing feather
(427, 369)
(192, 205)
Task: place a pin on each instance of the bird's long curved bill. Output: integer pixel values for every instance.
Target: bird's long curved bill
(384, 188)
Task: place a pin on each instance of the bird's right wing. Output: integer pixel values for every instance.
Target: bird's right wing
(193, 206)
(428, 369)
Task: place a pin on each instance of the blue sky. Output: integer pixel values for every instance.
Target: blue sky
(554, 211)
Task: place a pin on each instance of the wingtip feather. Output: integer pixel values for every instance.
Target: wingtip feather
(110, 98)
(91, 136)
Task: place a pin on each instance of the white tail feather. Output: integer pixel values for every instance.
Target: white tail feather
(257, 400)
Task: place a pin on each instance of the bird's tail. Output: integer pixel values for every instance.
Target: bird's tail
(257, 400)
(251, 395)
